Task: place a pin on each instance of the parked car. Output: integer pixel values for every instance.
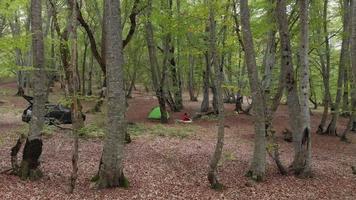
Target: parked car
(55, 113)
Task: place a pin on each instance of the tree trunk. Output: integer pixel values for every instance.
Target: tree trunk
(111, 172)
(156, 79)
(343, 64)
(90, 76)
(345, 96)
(191, 82)
(74, 88)
(302, 159)
(325, 62)
(301, 136)
(84, 67)
(352, 120)
(206, 82)
(212, 174)
(33, 147)
(269, 60)
(258, 166)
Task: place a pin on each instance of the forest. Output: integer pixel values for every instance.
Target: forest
(177, 99)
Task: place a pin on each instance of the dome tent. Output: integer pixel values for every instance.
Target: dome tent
(156, 113)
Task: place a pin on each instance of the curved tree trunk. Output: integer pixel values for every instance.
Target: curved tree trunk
(297, 119)
(343, 64)
(157, 80)
(212, 174)
(258, 166)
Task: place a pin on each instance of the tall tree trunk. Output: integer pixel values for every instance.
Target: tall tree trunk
(258, 166)
(325, 62)
(74, 88)
(301, 137)
(212, 174)
(302, 159)
(352, 120)
(111, 172)
(158, 81)
(343, 63)
(33, 147)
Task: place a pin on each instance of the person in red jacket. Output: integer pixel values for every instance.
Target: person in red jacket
(186, 118)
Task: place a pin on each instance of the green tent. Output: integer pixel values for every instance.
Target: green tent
(156, 113)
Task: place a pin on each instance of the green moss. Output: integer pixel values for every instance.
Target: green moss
(217, 186)
(124, 182)
(95, 178)
(48, 130)
(91, 131)
(254, 176)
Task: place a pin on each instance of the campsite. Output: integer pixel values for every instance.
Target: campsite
(177, 99)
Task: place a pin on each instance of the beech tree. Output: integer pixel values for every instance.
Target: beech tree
(111, 173)
(258, 166)
(212, 176)
(298, 120)
(33, 148)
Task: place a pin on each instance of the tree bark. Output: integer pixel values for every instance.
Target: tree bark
(325, 62)
(302, 160)
(343, 63)
(301, 136)
(258, 166)
(212, 174)
(74, 88)
(158, 81)
(191, 82)
(352, 120)
(111, 172)
(33, 147)
(84, 66)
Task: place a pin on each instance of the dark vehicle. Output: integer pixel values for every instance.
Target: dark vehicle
(55, 113)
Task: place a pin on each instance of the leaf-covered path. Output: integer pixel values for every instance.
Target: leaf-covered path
(164, 166)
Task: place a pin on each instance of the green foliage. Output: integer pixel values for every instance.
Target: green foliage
(91, 131)
(65, 101)
(48, 130)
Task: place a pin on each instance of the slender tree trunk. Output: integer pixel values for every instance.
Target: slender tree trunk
(212, 174)
(344, 57)
(74, 88)
(84, 67)
(111, 172)
(33, 147)
(302, 159)
(156, 79)
(191, 82)
(90, 76)
(258, 166)
(325, 62)
(206, 82)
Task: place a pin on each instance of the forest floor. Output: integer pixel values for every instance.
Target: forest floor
(171, 161)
